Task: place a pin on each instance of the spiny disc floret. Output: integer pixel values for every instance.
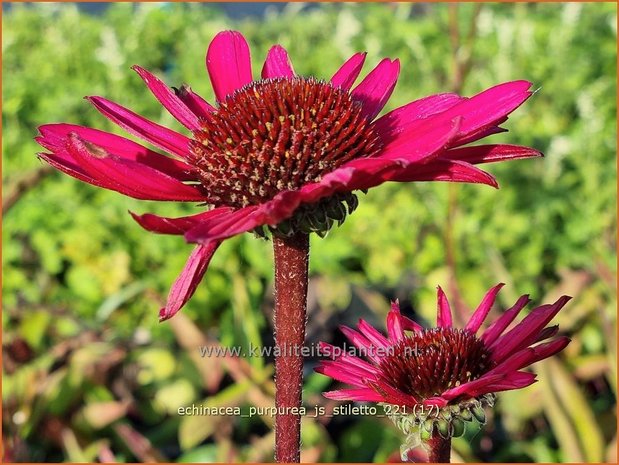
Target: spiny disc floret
(275, 135)
(429, 362)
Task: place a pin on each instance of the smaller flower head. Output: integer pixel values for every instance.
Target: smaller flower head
(441, 377)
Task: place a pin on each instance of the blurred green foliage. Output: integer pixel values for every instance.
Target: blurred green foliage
(90, 374)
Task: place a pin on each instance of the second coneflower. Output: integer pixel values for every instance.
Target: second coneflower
(284, 155)
(433, 380)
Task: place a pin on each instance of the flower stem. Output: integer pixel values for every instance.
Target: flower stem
(439, 449)
(291, 278)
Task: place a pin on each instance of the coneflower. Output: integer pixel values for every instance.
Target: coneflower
(283, 156)
(440, 378)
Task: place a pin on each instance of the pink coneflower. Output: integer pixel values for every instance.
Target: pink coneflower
(283, 153)
(441, 377)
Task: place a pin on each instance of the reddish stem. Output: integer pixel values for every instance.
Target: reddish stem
(291, 277)
(439, 449)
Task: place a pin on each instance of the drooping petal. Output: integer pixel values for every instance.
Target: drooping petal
(483, 309)
(357, 394)
(346, 76)
(376, 88)
(153, 133)
(176, 226)
(211, 229)
(228, 63)
(127, 176)
(491, 153)
(526, 331)
(185, 285)
(496, 329)
(54, 138)
(193, 101)
(169, 99)
(445, 170)
(443, 312)
(277, 64)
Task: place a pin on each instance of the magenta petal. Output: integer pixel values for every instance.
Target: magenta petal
(478, 114)
(159, 136)
(482, 132)
(548, 349)
(54, 138)
(527, 331)
(169, 99)
(394, 396)
(345, 359)
(487, 107)
(194, 102)
(547, 333)
(361, 342)
(416, 147)
(358, 394)
(239, 221)
(394, 326)
(346, 374)
(228, 63)
(530, 355)
(277, 64)
(376, 88)
(515, 380)
(514, 362)
(436, 401)
(185, 285)
(483, 309)
(410, 325)
(445, 170)
(496, 329)
(67, 165)
(372, 334)
(471, 386)
(405, 323)
(443, 313)
(398, 120)
(127, 176)
(348, 73)
(176, 226)
(491, 153)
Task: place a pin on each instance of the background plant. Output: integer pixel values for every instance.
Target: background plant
(87, 366)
